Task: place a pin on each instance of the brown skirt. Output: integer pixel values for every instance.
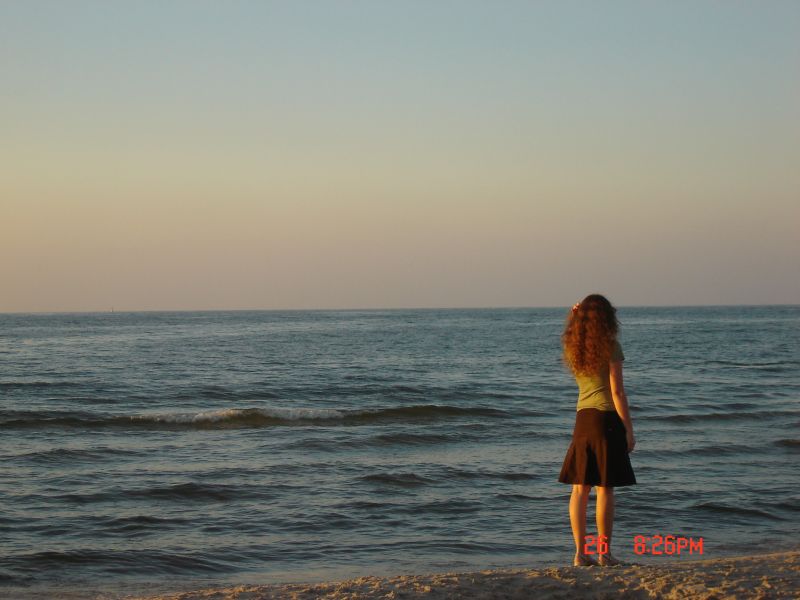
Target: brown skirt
(598, 454)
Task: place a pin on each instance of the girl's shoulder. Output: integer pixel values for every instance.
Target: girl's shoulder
(616, 352)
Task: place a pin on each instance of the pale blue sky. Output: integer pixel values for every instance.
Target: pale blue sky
(191, 155)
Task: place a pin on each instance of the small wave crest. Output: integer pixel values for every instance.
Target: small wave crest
(710, 450)
(719, 416)
(741, 511)
(241, 417)
(790, 444)
(180, 492)
(404, 480)
(244, 417)
(11, 385)
(63, 455)
(142, 561)
(780, 366)
(456, 473)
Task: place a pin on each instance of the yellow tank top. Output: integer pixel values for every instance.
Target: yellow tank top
(594, 391)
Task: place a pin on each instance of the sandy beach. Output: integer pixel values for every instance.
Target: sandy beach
(775, 575)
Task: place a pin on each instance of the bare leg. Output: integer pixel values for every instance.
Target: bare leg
(605, 520)
(577, 516)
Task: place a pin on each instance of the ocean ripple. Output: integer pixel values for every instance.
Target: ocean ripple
(227, 418)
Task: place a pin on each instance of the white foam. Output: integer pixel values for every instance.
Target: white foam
(225, 414)
(290, 414)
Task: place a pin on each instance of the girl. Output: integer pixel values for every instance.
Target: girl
(603, 434)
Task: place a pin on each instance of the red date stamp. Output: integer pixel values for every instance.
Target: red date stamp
(666, 544)
(648, 544)
(598, 542)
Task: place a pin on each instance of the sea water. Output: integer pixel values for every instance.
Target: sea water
(174, 448)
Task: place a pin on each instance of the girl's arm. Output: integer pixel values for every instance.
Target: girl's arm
(621, 401)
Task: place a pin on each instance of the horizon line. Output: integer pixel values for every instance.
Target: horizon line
(377, 309)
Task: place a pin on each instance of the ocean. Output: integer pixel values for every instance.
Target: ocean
(167, 450)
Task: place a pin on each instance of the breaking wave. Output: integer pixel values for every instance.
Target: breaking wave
(229, 418)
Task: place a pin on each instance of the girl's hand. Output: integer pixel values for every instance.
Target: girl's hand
(631, 441)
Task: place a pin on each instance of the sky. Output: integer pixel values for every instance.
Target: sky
(375, 154)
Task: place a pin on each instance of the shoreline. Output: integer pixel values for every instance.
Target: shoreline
(762, 576)
(773, 575)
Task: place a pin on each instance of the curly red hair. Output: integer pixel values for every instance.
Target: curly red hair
(589, 335)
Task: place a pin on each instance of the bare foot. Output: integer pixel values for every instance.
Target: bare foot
(582, 560)
(607, 560)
